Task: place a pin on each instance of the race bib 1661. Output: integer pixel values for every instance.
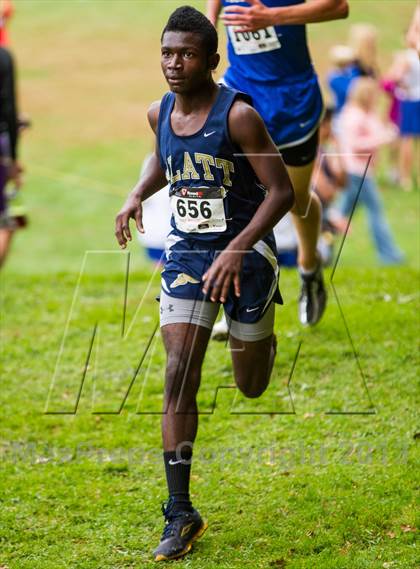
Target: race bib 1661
(248, 43)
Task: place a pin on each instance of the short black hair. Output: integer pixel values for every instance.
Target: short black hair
(188, 19)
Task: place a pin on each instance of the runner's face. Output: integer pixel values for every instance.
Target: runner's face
(184, 62)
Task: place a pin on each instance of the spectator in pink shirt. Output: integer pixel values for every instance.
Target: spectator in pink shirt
(389, 84)
(361, 134)
(6, 12)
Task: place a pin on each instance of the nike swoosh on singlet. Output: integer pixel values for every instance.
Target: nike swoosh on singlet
(206, 134)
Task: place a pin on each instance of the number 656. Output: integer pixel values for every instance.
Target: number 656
(193, 208)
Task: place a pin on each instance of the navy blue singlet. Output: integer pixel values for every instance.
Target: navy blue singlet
(214, 194)
(205, 171)
(274, 67)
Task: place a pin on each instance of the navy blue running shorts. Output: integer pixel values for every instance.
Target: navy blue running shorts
(187, 261)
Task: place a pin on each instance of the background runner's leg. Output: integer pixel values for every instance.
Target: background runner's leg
(253, 364)
(185, 346)
(306, 215)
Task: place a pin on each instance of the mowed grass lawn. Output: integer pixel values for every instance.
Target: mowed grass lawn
(321, 472)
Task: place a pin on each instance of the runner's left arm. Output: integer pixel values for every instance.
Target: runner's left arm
(248, 131)
(258, 15)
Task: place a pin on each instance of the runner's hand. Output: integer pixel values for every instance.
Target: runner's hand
(248, 19)
(223, 271)
(131, 209)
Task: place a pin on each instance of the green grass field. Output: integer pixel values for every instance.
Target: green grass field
(321, 472)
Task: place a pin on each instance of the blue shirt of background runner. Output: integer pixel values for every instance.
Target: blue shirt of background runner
(274, 67)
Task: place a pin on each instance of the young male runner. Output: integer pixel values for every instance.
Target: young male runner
(228, 188)
(270, 61)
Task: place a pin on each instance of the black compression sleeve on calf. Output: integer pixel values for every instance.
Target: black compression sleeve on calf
(178, 469)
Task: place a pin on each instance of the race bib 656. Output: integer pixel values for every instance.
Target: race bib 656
(199, 210)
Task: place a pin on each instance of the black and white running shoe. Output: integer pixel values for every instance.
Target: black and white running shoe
(313, 297)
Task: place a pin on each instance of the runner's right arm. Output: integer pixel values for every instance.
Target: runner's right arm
(213, 10)
(257, 15)
(152, 180)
